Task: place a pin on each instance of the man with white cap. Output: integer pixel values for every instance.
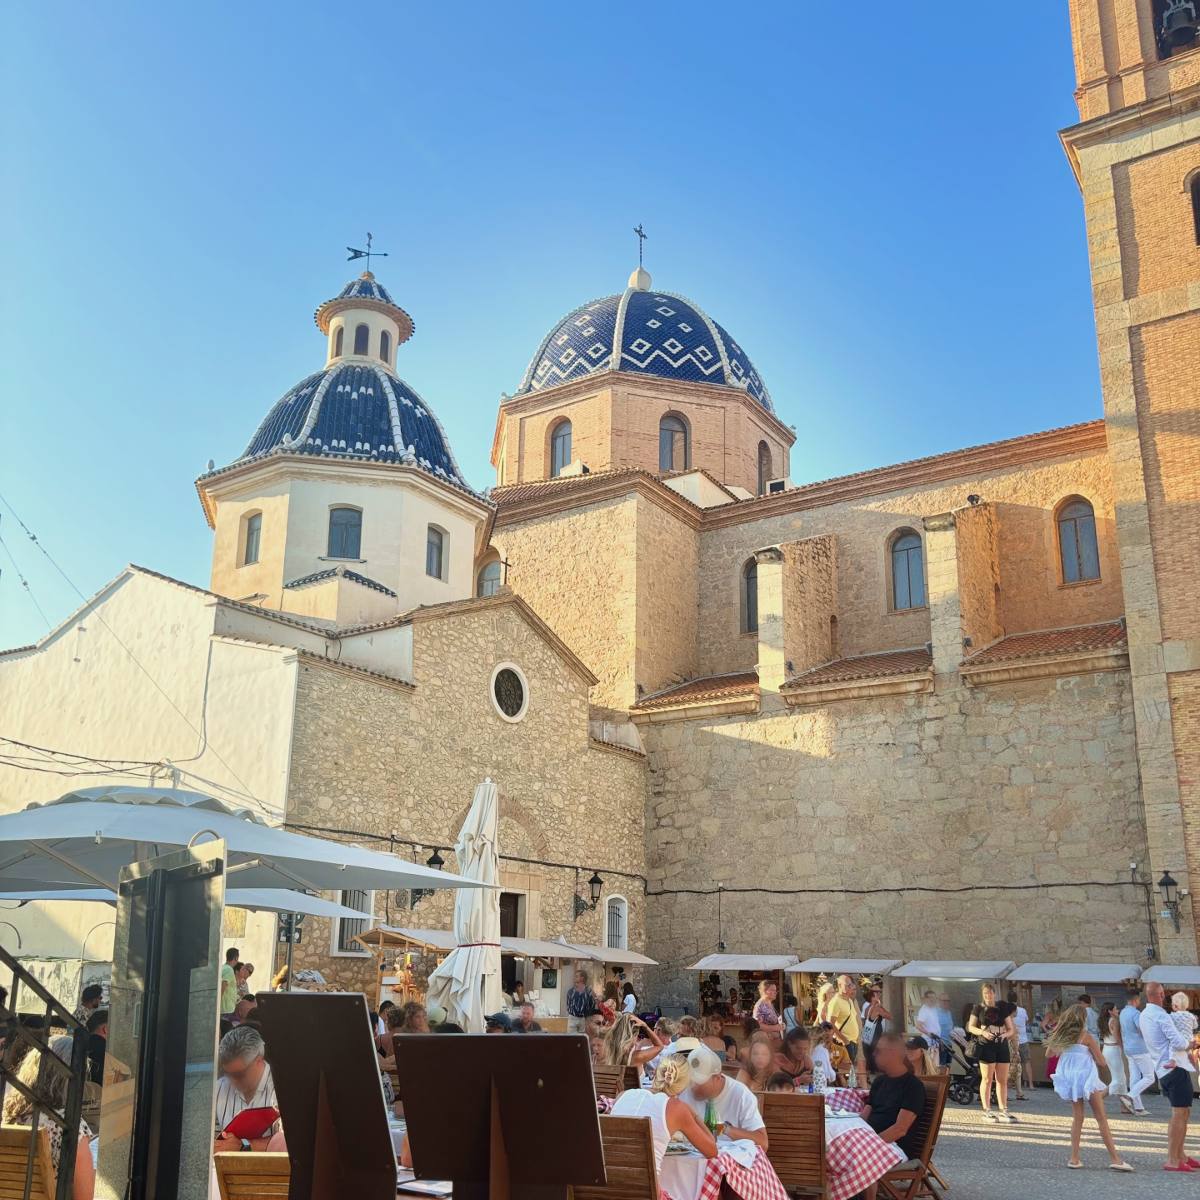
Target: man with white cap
(714, 1096)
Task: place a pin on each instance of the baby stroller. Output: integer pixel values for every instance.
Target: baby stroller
(965, 1075)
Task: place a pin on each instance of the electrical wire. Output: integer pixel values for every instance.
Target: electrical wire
(25, 583)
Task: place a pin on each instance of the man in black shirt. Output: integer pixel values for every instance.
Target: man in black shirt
(897, 1096)
(97, 1044)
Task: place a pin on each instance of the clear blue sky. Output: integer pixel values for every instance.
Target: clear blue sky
(878, 209)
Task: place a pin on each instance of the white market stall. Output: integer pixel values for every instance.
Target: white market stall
(749, 970)
(961, 979)
(814, 973)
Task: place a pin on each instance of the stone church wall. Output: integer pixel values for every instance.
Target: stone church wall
(1029, 783)
(370, 757)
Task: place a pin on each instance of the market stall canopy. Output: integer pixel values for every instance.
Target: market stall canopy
(1074, 973)
(938, 969)
(848, 966)
(1173, 975)
(252, 899)
(604, 954)
(747, 962)
(87, 837)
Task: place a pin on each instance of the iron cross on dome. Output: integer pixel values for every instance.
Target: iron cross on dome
(642, 235)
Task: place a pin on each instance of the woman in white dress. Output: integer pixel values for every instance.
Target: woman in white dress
(1077, 1080)
(1114, 1054)
(667, 1114)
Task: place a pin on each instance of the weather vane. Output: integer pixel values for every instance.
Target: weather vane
(366, 253)
(642, 236)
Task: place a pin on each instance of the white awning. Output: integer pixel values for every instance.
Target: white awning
(538, 948)
(849, 966)
(606, 955)
(746, 962)
(939, 969)
(1173, 975)
(440, 941)
(1074, 973)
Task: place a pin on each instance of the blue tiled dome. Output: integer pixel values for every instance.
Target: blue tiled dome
(360, 411)
(647, 333)
(366, 287)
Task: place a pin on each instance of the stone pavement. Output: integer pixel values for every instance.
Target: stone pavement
(1027, 1161)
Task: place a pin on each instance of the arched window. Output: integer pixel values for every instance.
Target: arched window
(1195, 189)
(616, 923)
(435, 552)
(338, 335)
(385, 346)
(560, 448)
(345, 533)
(750, 596)
(362, 338)
(1077, 549)
(764, 467)
(251, 537)
(674, 453)
(488, 583)
(908, 571)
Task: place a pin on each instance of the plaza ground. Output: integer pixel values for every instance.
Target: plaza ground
(984, 1161)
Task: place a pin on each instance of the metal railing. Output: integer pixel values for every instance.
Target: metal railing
(18, 1037)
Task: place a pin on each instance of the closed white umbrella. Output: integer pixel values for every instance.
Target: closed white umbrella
(274, 900)
(87, 837)
(467, 983)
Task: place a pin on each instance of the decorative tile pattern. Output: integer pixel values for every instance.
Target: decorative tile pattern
(660, 334)
(357, 410)
(365, 289)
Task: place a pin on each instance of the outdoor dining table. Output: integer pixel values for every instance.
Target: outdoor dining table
(691, 1176)
(855, 1155)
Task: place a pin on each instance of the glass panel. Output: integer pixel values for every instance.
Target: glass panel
(560, 448)
(345, 533)
(1070, 550)
(1089, 552)
(433, 553)
(253, 536)
(751, 598)
(901, 597)
(916, 577)
(489, 579)
(616, 925)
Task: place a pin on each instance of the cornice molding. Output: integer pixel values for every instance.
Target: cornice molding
(1082, 663)
(911, 684)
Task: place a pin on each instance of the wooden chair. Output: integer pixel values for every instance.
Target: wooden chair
(15, 1148)
(609, 1081)
(263, 1175)
(731, 1069)
(628, 1162)
(796, 1140)
(632, 1078)
(914, 1179)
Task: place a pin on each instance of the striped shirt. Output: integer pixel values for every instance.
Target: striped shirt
(230, 1101)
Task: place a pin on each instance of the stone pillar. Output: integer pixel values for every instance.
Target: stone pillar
(772, 653)
(942, 595)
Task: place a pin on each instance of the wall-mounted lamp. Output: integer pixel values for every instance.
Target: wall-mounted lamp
(595, 886)
(1169, 889)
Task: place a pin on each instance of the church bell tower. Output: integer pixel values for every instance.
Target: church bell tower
(1136, 155)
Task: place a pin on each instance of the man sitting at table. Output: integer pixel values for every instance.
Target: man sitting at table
(734, 1104)
(525, 1022)
(897, 1096)
(245, 1083)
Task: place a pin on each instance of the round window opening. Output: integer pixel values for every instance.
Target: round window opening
(509, 692)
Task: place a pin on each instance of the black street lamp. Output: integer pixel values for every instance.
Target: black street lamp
(579, 905)
(1169, 888)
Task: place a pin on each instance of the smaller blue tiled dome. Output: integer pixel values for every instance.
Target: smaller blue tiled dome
(359, 411)
(365, 287)
(644, 332)
(365, 292)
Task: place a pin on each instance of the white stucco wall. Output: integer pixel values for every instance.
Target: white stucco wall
(220, 711)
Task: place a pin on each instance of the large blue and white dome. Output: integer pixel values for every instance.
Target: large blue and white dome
(360, 411)
(643, 332)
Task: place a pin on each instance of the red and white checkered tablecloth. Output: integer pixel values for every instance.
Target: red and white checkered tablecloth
(856, 1159)
(846, 1099)
(757, 1182)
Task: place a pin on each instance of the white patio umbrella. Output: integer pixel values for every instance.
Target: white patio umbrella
(467, 983)
(274, 900)
(86, 837)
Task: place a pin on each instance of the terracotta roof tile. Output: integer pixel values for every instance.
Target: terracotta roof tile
(865, 666)
(512, 492)
(697, 691)
(1045, 643)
